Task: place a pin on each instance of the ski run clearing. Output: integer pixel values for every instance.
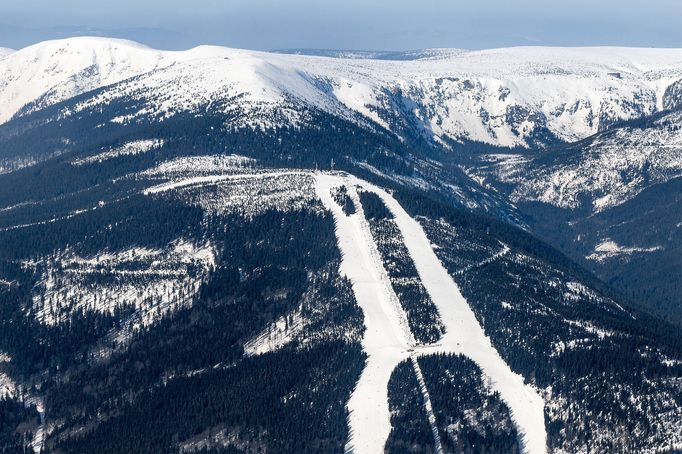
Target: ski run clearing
(387, 341)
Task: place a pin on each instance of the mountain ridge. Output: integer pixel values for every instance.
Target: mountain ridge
(262, 94)
(504, 97)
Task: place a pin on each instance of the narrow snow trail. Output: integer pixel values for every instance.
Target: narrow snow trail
(464, 335)
(504, 251)
(385, 340)
(214, 179)
(38, 441)
(438, 446)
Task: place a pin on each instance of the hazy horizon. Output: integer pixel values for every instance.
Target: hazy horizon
(312, 50)
(352, 25)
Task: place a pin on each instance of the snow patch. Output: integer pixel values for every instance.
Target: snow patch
(128, 149)
(152, 282)
(228, 191)
(8, 389)
(612, 169)
(608, 249)
(278, 334)
(199, 165)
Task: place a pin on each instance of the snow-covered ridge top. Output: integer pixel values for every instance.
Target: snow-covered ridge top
(489, 62)
(53, 71)
(420, 54)
(594, 54)
(496, 96)
(602, 55)
(87, 41)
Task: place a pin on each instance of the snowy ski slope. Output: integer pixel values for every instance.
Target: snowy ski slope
(387, 338)
(464, 335)
(386, 341)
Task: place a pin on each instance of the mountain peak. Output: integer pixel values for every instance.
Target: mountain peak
(52, 71)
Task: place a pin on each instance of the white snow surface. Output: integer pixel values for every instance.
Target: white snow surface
(246, 193)
(8, 388)
(608, 249)
(199, 165)
(215, 179)
(464, 335)
(53, 71)
(276, 335)
(612, 169)
(386, 342)
(569, 91)
(153, 281)
(128, 149)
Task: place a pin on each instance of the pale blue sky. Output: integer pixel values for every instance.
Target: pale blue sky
(349, 24)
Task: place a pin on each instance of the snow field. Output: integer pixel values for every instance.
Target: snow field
(128, 149)
(153, 281)
(214, 179)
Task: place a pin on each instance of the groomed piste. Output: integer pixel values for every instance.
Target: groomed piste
(387, 339)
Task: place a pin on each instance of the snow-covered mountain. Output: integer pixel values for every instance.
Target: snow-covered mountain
(507, 97)
(617, 195)
(601, 172)
(51, 71)
(561, 109)
(220, 250)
